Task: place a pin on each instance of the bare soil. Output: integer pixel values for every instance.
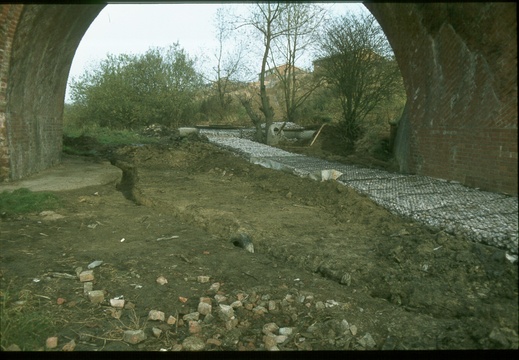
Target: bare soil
(341, 271)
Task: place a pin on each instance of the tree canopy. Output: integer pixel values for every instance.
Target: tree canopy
(357, 63)
(129, 91)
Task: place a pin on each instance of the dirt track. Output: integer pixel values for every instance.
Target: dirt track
(323, 254)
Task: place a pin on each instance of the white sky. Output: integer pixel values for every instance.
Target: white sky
(134, 28)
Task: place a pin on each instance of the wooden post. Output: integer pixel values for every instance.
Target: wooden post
(316, 135)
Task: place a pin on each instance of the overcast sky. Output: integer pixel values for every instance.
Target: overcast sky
(134, 28)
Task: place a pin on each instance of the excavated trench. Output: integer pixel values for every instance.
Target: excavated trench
(324, 229)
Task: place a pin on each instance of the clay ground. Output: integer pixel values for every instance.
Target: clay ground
(340, 271)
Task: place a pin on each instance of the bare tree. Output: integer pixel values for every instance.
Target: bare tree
(301, 22)
(357, 62)
(265, 18)
(229, 63)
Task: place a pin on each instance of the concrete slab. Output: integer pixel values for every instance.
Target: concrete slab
(73, 173)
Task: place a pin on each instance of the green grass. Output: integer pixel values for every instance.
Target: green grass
(23, 322)
(22, 201)
(106, 136)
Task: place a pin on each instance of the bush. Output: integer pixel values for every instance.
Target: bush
(133, 91)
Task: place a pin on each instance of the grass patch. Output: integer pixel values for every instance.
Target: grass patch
(97, 141)
(106, 136)
(23, 322)
(22, 201)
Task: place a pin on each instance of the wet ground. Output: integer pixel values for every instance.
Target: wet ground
(331, 269)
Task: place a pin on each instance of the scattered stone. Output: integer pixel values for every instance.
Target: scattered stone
(214, 342)
(367, 341)
(281, 339)
(51, 342)
(193, 343)
(286, 331)
(231, 324)
(204, 308)
(220, 298)
(241, 296)
(311, 329)
(319, 305)
(353, 330)
(156, 315)
(96, 296)
(171, 320)
(156, 332)
(253, 297)
(203, 279)
(134, 336)
(191, 316)
(259, 310)
(331, 303)
(70, 346)
(78, 270)
(117, 303)
(194, 327)
(270, 328)
(208, 318)
(87, 287)
(95, 264)
(269, 341)
(161, 280)
(214, 287)
(87, 275)
(231, 338)
(236, 304)
(226, 312)
(344, 325)
(61, 301)
(206, 300)
(50, 215)
(13, 347)
(249, 306)
(272, 305)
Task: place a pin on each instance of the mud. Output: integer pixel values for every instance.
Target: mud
(404, 285)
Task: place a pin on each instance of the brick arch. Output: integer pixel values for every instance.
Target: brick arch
(458, 61)
(459, 64)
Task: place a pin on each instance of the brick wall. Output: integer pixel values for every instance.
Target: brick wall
(43, 46)
(9, 16)
(459, 63)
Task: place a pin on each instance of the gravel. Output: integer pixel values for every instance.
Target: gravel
(481, 216)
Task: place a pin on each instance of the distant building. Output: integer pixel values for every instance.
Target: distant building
(319, 63)
(272, 75)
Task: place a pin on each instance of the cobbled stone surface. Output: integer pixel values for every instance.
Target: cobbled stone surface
(481, 216)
